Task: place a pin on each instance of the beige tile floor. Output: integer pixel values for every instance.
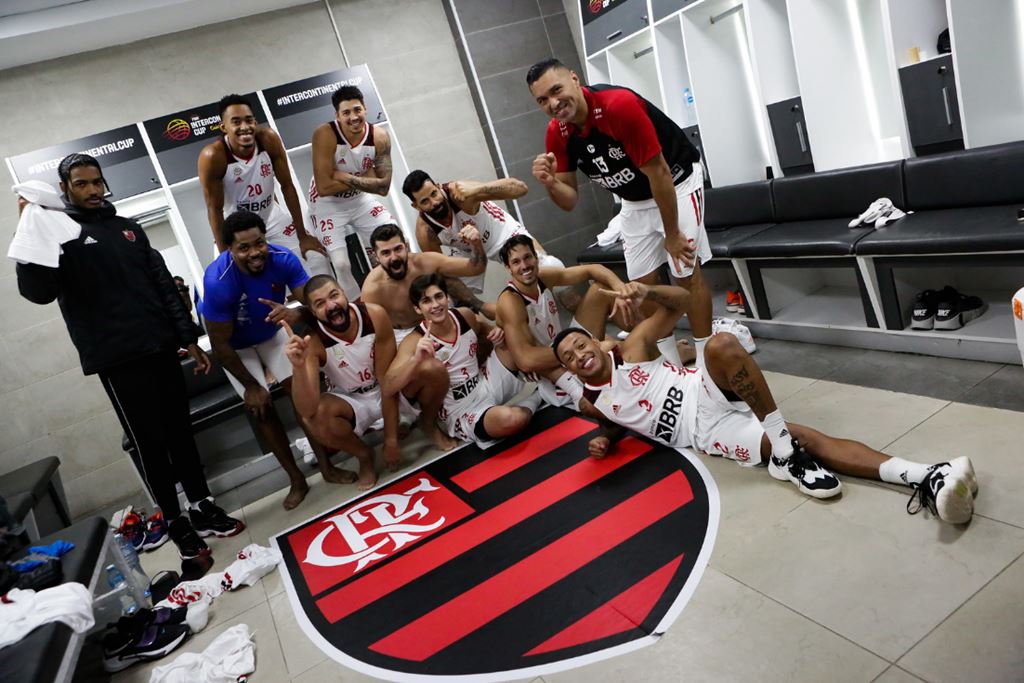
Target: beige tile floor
(797, 589)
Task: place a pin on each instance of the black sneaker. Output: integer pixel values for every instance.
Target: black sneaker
(922, 314)
(810, 478)
(954, 310)
(188, 541)
(948, 491)
(121, 650)
(210, 520)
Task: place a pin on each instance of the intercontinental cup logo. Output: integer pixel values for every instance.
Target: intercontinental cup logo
(596, 5)
(177, 130)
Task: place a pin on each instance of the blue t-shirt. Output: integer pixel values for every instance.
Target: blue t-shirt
(233, 296)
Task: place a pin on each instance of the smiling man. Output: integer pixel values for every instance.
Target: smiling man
(238, 173)
(351, 163)
(244, 292)
(628, 146)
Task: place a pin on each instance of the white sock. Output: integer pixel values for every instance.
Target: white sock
(668, 348)
(698, 344)
(195, 506)
(900, 471)
(775, 427)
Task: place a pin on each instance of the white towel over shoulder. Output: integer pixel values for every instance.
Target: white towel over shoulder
(42, 227)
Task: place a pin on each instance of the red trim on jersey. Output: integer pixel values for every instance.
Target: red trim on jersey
(232, 157)
(540, 290)
(451, 314)
(342, 140)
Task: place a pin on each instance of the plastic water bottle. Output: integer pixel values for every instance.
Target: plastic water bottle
(131, 558)
(688, 99)
(116, 581)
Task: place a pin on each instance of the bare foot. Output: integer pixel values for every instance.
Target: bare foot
(336, 475)
(367, 475)
(442, 441)
(687, 354)
(296, 494)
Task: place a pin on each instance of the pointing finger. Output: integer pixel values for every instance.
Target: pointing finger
(288, 328)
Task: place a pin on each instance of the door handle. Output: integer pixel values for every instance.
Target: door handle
(800, 135)
(614, 35)
(945, 103)
(942, 69)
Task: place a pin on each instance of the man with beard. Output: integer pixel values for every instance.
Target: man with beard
(726, 409)
(352, 343)
(474, 406)
(244, 291)
(238, 172)
(351, 162)
(388, 283)
(445, 208)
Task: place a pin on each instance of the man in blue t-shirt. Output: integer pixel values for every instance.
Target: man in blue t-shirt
(244, 292)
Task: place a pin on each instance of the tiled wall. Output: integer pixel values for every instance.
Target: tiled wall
(501, 40)
(47, 406)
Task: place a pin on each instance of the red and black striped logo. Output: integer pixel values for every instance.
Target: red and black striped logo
(506, 562)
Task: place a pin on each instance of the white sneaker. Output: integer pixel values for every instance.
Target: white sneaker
(810, 478)
(948, 491)
(879, 207)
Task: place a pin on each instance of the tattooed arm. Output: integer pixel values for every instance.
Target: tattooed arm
(380, 181)
(464, 296)
(673, 302)
(468, 194)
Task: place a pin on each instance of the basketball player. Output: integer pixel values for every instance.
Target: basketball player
(388, 283)
(528, 314)
(474, 407)
(726, 409)
(352, 343)
(630, 148)
(444, 209)
(243, 291)
(351, 162)
(237, 173)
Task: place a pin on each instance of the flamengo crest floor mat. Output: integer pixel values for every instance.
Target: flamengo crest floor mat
(527, 558)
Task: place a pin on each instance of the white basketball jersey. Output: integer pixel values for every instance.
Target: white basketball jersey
(495, 225)
(542, 312)
(249, 184)
(459, 357)
(357, 159)
(654, 398)
(349, 366)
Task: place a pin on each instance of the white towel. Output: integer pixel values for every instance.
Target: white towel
(252, 562)
(229, 658)
(611, 234)
(42, 227)
(22, 611)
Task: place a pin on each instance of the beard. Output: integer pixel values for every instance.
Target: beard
(338, 319)
(396, 269)
(441, 212)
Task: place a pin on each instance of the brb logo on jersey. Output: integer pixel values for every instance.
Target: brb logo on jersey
(526, 558)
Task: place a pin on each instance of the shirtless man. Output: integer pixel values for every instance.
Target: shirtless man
(726, 409)
(388, 283)
(445, 208)
(351, 164)
(352, 343)
(528, 314)
(474, 407)
(237, 173)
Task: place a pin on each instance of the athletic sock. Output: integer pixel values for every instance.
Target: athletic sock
(900, 471)
(698, 344)
(775, 427)
(667, 347)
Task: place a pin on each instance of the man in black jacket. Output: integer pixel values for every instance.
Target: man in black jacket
(127, 321)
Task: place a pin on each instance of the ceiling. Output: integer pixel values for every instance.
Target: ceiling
(36, 30)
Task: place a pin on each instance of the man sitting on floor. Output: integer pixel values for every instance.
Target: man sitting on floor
(726, 409)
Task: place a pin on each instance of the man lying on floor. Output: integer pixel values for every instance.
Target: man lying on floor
(726, 409)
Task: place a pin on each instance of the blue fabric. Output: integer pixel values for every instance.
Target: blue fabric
(229, 295)
(55, 549)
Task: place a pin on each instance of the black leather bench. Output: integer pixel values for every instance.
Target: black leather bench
(50, 652)
(37, 486)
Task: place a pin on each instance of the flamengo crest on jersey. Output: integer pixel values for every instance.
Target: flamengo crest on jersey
(494, 224)
(651, 398)
(357, 159)
(459, 358)
(349, 366)
(542, 313)
(249, 183)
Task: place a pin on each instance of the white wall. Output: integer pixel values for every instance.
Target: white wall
(916, 23)
(49, 407)
(773, 49)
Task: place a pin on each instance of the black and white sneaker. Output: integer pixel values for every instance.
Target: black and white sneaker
(948, 491)
(210, 520)
(185, 537)
(922, 314)
(810, 478)
(121, 650)
(954, 310)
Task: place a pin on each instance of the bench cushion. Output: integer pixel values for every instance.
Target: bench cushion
(843, 193)
(985, 176)
(33, 478)
(745, 204)
(724, 241)
(598, 254)
(948, 231)
(827, 237)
